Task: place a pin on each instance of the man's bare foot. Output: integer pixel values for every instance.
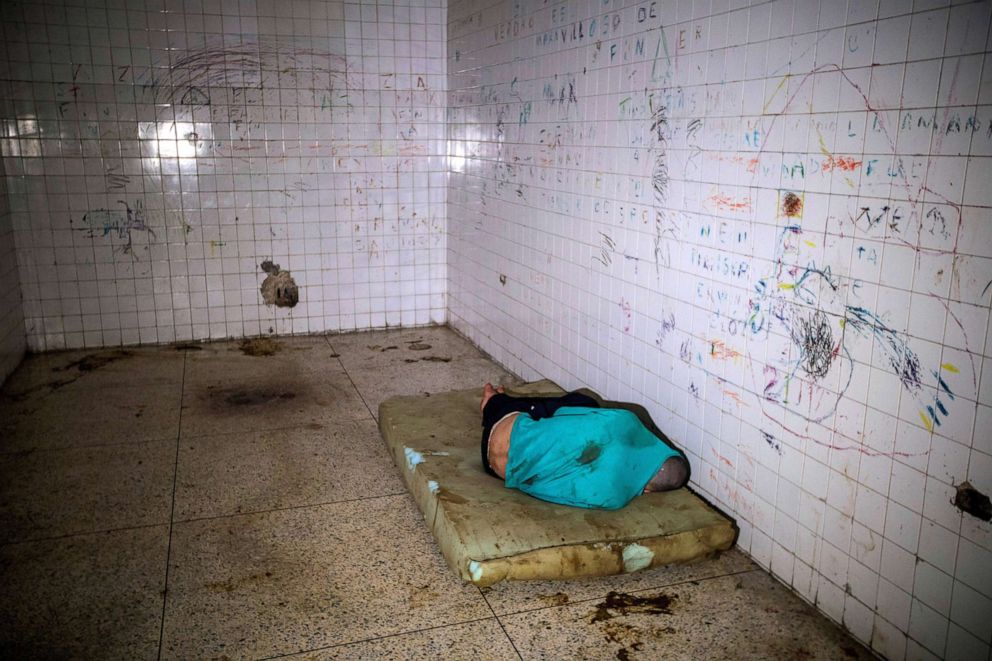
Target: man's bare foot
(487, 392)
(673, 474)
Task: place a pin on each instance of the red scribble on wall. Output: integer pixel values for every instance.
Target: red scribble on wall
(751, 164)
(727, 203)
(721, 351)
(734, 396)
(843, 163)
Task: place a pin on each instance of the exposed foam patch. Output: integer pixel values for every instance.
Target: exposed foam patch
(413, 458)
(636, 557)
(475, 569)
(433, 486)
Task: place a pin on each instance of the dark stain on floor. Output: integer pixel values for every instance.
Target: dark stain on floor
(231, 584)
(95, 361)
(624, 604)
(556, 599)
(230, 400)
(382, 349)
(625, 635)
(256, 397)
(417, 345)
(259, 346)
(188, 346)
(77, 368)
(428, 359)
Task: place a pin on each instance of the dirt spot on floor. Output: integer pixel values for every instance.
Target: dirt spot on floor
(625, 635)
(556, 599)
(422, 596)
(621, 603)
(256, 397)
(259, 346)
(417, 345)
(232, 584)
(188, 346)
(428, 359)
(382, 349)
(95, 361)
(229, 400)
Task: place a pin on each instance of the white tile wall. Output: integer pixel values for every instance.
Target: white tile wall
(158, 152)
(769, 224)
(12, 340)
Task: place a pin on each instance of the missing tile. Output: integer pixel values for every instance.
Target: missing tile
(278, 288)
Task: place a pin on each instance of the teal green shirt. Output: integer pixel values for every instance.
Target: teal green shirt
(584, 457)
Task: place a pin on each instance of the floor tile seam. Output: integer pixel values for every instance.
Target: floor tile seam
(40, 393)
(637, 591)
(347, 373)
(304, 427)
(376, 638)
(502, 626)
(291, 507)
(85, 446)
(172, 511)
(82, 533)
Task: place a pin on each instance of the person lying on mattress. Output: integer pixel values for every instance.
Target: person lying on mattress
(570, 451)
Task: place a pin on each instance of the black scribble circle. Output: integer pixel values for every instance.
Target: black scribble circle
(816, 343)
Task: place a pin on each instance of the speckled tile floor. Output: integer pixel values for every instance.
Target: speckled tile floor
(216, 501)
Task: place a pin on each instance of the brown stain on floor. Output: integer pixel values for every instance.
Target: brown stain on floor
(428, 359)
(95, 361)
(259, 346)
(556, 599)
(625, 635)
(256, 397)
(77, 368)
(237, 400)
(624, 604)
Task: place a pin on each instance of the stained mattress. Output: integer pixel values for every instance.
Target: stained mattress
(488, 533)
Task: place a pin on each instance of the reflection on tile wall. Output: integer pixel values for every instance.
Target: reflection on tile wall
(159, 153)
(12, 341)
(770, 225)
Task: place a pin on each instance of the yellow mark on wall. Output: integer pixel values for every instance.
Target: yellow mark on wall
(950, 368)
(926, 421)
(809, 243)
(778, 89)
(786, 285)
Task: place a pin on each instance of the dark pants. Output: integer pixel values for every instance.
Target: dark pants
(536, 407)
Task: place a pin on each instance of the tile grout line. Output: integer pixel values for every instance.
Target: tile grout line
(172, 511)
(350, 380)
(288, 508)
(500, 623)
(79, 533)
(374, 638)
